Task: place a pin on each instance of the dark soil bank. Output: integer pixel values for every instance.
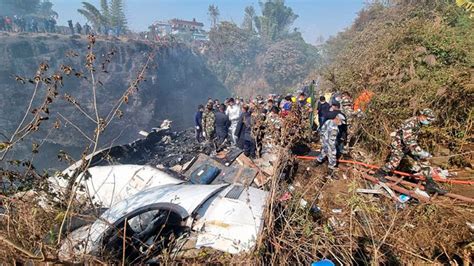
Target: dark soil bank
(177, 80)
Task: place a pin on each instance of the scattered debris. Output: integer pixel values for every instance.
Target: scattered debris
(143, 133)
(369, 191)
(403, 198)
(471, 226)
(212, 204)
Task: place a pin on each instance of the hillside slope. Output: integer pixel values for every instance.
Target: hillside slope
(177, 81)
(412, 56)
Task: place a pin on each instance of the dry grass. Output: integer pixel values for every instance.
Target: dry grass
(368, 230)
(411, 55)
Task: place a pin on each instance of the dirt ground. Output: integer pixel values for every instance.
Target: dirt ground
(438, 231)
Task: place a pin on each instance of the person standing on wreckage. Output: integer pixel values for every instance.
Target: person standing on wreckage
(328, 138)
(222, 127)
(209, 123)
(404, 142)
(233, 112)
(246, 140)
(198, 123)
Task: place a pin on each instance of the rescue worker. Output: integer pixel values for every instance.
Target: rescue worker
(335, 97)
(210, 101)
(323, 109)
(268, 106)
(341, 139)
(233, 112)
(347, 108)
(246, 140)
(404, 142)
(217, 104)
(198, 123)
(222, 125)
(328, 138)
(208, 123)
(303, 101)
(273, 125)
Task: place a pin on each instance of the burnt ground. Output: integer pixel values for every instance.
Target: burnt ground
(369, 227)
(166, 148)
(350, 228)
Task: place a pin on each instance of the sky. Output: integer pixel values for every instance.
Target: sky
(316, 17)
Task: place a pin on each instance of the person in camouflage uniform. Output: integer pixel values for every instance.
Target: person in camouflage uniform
(208, 122)
(273, 126)
(347, 108)
(304, 107)
(328, 138)
(404, 142)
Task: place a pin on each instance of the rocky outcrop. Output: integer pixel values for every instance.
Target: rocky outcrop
(177, 80)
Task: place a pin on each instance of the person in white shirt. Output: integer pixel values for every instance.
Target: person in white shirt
(233, 112)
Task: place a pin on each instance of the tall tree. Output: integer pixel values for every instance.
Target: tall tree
(104, 9)
(249, 17)
(118, 20)
(45, 9)
(276, 19)
(213, 12)
(93, 15)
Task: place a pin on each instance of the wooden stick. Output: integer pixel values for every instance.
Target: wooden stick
(396, 188)
(20, 248)
(451, 195)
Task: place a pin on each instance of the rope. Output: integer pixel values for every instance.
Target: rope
(449, 181)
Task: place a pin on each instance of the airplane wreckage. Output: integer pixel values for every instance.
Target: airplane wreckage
(160, 194)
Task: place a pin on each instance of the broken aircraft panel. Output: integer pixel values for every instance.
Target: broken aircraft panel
(107, 185)
(145, 201)
(224, 217)
(181, 200)
(232, 220)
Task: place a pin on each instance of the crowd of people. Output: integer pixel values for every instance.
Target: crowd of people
(78, 28)
(38, 25)
(246, 123)
(27, 24)
(240, 123)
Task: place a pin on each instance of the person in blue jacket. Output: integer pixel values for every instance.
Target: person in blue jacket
(222, 125)
(244, 132)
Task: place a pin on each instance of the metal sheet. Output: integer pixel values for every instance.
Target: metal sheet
(110, 184)
(106, 185)
(231, 225)
(182, 199)
(234, 173)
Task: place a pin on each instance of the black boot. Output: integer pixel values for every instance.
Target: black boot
(380, 175)
(432, 188)
(317, 163)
